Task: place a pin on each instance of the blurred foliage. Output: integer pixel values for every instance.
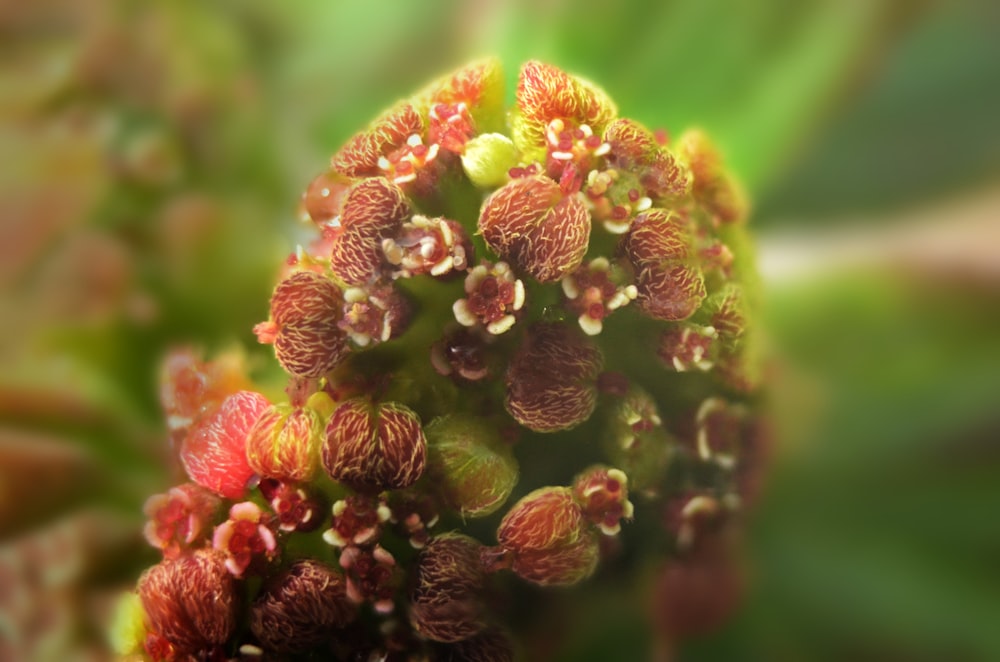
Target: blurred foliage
(154, 155)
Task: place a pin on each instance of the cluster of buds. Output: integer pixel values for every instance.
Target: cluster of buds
(451, 321)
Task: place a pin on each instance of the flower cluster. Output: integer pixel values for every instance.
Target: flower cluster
(488, 293)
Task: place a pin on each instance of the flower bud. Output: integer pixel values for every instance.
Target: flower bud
(191, 389)
(712, 186)
(360, 156)
(191, 601)
(603, 496)
(179, 518)
(636, 441)
(658, 246)
(472, 468)
(373, 210)
(284, 442)
(490, 645)
(487, 159)
(214, 454)
(478, 85)
(532, 224)
(687, 347)
(301, 608)
(446, 599)
(305, 310)
(374, 447)
(545, 93)
(551, 380)
(635, 148)
(548, 538)
(324, 197)
(297, 508)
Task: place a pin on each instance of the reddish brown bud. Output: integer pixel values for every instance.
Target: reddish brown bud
(551, 381)
(305, 310)
(549, 539)
(479, 86)
(214, 454)
(446, 598)
(658, 246)
(531, 223)
(284, 442)
(374, 447)
(546, 93)
(360, 156)
(474, 470)
(324, 197)
(373, 210)
(301, 608)
(490, 645)
(634, 148)
(713, 187)
(191, 601)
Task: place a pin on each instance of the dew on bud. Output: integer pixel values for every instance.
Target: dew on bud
(534, 225)
(551, 380)
(324, 198)
(373, 447)
(446, 601)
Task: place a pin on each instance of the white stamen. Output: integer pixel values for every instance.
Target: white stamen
(644, 203)
(446, 234)
(393, 252)
(590, 325)
(463, 314)
(610, 530)
(333, 538)
(360, 339)
(618, 475)
(562, 156)
(414, 140)
(383, 513)
(383, 163)
(404, 179)
(355, 295)
(339, 507)
(518, 294)
(569, 287)
(443, 267)
(501, 325)
(251, 650)
(432, 153)
(616, 227)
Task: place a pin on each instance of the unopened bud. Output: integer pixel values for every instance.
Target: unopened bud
(635, 148)
(191, 601)
(487, 158)
(301, 608)
(536, 227)
(360, 156)
(446, 599)
(374, 209)
(549, 539)
(551, 381)
(374, 447)
(324, 197)
(713, 187)
(214, 454)
(490, 645)
(473, 469)
(285, 441)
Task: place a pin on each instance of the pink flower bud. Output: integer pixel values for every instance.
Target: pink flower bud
(473, 469)
(179, 518)
(191, 389)
(305, 310)
(551, 381)
(446, 599)
(533, 225)
(549, 539)
(191, 602)
(635, 148)
(373, 210)
(300, 609)
(360, 156)
(374, 447)
(658, 246)
(214, 454)
(284, 442)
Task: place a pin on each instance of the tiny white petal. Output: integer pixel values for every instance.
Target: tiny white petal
(518, 294)
(590, 325)
(501, 325)
(462, 313)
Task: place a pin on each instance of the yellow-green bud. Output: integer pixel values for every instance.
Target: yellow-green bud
(487, 159)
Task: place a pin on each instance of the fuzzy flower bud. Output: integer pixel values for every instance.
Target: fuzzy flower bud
(301, 608)
(635, 148)
(373, 210)
(191, 602)
(487, 159)
(214, 454)
(446, 599)
(548, 538)
(305, 310)
(323, 199)
(284, 442)
(490, 645)
(536, 227)
(360, 156)
(472, 468)
(374, 447)
(713, 186)
(658, 246)
(551, 381)
(179, 518)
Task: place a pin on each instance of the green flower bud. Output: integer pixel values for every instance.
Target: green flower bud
(487, 159)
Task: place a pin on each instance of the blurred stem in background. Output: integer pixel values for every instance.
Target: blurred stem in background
(155, 151)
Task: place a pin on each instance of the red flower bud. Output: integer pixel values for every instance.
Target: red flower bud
(532, 224)
(191, 601)
(374, 447)
(301, 608)
(551, 381)
(635, 148)
(284, 442)
(658, 246)
(446, 599)
(549, 539)
(360, 156)
(373, 210)
(214, 454)
(473, 469)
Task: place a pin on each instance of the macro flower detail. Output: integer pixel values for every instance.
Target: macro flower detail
(537, 227)
(486, 327)
(374, 447)
(214, 453)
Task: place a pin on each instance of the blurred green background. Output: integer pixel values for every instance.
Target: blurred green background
(153, 154)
